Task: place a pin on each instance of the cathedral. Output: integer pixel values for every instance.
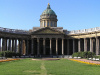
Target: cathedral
(48, 40)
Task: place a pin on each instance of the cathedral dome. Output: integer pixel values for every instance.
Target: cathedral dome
(48, 18)
(48, 11)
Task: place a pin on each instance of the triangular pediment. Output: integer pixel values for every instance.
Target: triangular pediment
(47, 31)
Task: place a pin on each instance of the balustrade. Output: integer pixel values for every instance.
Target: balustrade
(83, 31)
(14, 30)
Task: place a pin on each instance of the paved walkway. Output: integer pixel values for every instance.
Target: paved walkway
(85, 60)
(43, 69)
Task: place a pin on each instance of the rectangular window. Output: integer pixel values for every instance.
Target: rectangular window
(51, 24)
(44, 23)
(48, 23)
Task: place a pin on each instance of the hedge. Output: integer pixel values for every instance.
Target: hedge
(83, 54)
(8, 54)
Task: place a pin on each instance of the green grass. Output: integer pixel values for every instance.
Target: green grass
(42, 67)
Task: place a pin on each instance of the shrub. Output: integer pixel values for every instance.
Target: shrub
(96, 56)
(83, 54)
(8, 54)
(75, 54)
(1, 54)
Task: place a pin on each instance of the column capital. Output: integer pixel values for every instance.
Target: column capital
(97, 37)
(91, 37)
(56, 38)
(50, 38)
(63, 38)
(85, 38)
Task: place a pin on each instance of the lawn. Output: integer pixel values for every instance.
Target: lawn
(44, 67)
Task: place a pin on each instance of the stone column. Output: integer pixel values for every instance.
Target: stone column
(19, 43)
(46, 23)
(9, 45)
(49, 23)
(5, 44)
(0, 44)
(43, 24)
(56, 46)
(15, 45)
(97, 46)
(62, 46)
(12, 44)
(79, 42)
(38, 52)
(85, 44)
(67, 46)
(24, 52)
(91, 45)
(27, 47)
(73, 45)
(21, 51)
(44, 46)
(32, 46)
(50, 46)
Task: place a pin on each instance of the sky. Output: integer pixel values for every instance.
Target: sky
(71, 14)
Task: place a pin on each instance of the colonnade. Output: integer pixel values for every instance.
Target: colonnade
(48, 23)
(14, 45)
(50, 46)
(44, 46)
(90, 44)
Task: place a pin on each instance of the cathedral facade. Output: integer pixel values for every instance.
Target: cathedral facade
(48, 39)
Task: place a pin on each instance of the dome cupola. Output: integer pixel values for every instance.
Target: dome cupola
(48, 11)
(48, 18)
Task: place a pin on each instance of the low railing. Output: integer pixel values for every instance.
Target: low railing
(83, 31)
(68, 32)
(14, 30)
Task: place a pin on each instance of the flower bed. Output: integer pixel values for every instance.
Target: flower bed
(8, 60)
(85, 62)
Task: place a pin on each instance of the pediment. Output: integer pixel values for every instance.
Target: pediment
(47, 31)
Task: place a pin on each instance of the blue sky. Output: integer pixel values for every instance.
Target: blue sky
(72, 14)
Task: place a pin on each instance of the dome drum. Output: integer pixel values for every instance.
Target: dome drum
(50, 16)
(48, 20)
